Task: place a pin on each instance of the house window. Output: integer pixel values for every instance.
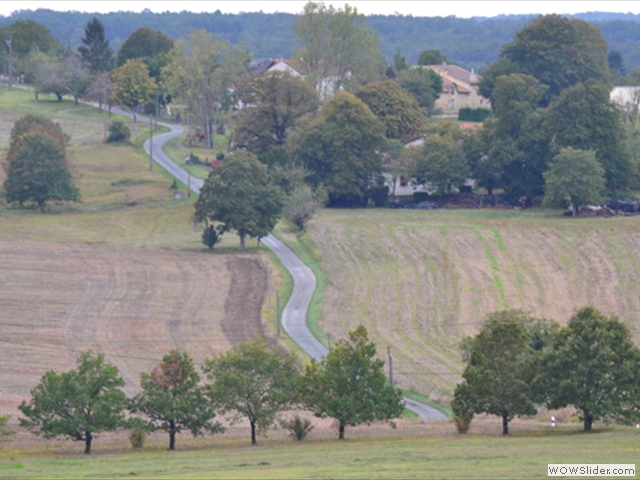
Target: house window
(453, 104)
(452, 90)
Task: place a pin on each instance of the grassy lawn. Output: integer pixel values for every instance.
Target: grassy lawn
(522, 455)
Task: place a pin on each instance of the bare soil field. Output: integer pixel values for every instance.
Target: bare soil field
(131, 304)
(421, 280)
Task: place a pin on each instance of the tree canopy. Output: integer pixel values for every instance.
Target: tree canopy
(252, 382)
(575, 178)
(36, 164)
(349, 385)
(172, 400)
(95, 50)
(593, 365)
(144, 43)
(239, 195)
(424, 84)
(79, 403)
(498, 373)
(337, 48)
(273, 104)
(132, 85)
(559, 52)
(397, 109)
(342, 149)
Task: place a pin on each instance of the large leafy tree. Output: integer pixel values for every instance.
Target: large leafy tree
(349, 385)
(28, 34)
(68, 76)
(172, 399)
(396, 108)
(132, 85)
(79, 403)
(342, 149)
(253, 383)
(575, 178)
(148, 45)
(95, 50)
(36, 164)
(498, 372)
(594, 365)
(273, 104)
(559, 52)
(584, 117)
(432, 57)
(439, 162)
(239, 195)
(424, 84)
(202, 73)
(337, 48)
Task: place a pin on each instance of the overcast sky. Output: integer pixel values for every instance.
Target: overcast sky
(428, 8)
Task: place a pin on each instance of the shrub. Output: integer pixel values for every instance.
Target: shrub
(137, 438)
(210, 237)
(474, 114)
(118, 131)
(298, 427)
(379, 195)
(462, 409)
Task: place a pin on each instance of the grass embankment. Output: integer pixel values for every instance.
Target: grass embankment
(523, 455)
(420, 280)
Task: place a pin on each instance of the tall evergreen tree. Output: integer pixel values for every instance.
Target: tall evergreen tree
(95, 50)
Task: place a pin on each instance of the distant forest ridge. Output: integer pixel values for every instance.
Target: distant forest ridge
(470, 43)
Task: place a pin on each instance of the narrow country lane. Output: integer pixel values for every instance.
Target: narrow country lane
(294, 314)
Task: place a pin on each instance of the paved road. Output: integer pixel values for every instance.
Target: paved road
(294, 315)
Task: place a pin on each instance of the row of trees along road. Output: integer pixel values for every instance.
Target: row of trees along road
(252, 381)
(517, 362)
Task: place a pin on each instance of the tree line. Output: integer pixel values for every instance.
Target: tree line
(253, 381)
(517, 363)
(472, 43)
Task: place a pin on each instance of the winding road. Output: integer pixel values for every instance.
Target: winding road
(294, 315)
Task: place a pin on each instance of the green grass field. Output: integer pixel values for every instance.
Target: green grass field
(425, 455)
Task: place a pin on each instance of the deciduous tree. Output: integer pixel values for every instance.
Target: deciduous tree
(79, 403)
(36, 164)
(432, 57)
(172, 400)
(337, 48)
(575, 178)
(424, 84)
(251, 382)
(349, 385)
(240, 196)
(132, 85)
(560, 52)
(398, 110)
(202, 73)
(273, 104)
(342, 149)
(594, 365)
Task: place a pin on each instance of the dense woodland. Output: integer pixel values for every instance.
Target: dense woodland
(471, 43)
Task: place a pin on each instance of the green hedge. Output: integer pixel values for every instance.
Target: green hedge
(474, 114)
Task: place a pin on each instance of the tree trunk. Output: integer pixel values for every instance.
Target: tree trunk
(87, 443)
(253, 434)
(341, 431)
(505, 424)
(588, 421)
(242, 236)
(59, 97)
(172, 435)
(41, 204)
(575, 210)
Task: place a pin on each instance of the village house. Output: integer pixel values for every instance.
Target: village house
(459, 89)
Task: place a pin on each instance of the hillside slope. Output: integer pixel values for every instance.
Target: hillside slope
(420, 280)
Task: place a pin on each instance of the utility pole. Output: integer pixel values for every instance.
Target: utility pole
(10, 44)
(278, 311)
(151, 144)
(390, 366)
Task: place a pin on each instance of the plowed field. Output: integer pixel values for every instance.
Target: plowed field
(131, 304)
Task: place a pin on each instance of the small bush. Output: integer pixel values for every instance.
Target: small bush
(118, 131)
(462, 412)
(474, 114)
(298, 427)
(220, 155)
(210, 237)
(379, 195)
(137, 438)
